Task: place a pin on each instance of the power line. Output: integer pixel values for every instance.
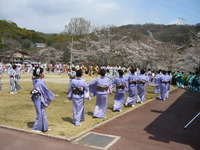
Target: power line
(190, 6)
(176, 9)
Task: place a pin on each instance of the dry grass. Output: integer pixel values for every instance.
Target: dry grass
(18, 110)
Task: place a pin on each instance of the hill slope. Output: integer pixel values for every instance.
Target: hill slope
(157, 46)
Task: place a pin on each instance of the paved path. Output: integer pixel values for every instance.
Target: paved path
(157, 125)
(16, 140)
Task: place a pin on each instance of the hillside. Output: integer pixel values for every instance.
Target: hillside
(148, 46)
(19, 37)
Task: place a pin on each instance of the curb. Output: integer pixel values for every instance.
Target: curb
(32, 132)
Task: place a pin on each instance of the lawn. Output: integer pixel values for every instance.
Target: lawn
(18, 110)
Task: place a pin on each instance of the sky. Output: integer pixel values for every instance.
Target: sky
(51, 16)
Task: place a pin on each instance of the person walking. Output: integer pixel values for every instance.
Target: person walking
(41, 97)
(169, 83)
(100, 88)
(157, 83)
(121, 86)
(78, 91)
(14, 86)
(142, 84)
(132, 84)
(164, 79)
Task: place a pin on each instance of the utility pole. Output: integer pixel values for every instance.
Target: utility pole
(109, 38)
(107, 61)
(71, 51)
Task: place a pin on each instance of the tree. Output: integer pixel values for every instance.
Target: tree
(27, 43)
(179, 21)
(78, 27)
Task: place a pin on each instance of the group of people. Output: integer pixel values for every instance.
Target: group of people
(79, 90)
(21, 68)
(162, 82)
(135, 84)
(134, 81)
(193, 80)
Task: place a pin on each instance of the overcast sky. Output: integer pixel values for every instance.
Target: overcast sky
(51, 16)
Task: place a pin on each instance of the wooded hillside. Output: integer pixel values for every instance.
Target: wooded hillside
(151, 45)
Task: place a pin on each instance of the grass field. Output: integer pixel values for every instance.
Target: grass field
(18, 110)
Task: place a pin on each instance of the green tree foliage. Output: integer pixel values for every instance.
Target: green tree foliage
(26, 43)
(10, 30)
(58, 38)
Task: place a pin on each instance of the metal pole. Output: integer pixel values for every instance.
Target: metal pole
(107, 60)
(109, 38)
(192, 120)
(71, 52)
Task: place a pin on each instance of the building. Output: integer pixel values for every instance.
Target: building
(15, 56)
(39, 45)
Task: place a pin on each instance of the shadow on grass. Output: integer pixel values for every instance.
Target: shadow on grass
(30, 124)
(61, 133)
(90, 113)
(111, 108)
(66, 93)
(68, 119)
